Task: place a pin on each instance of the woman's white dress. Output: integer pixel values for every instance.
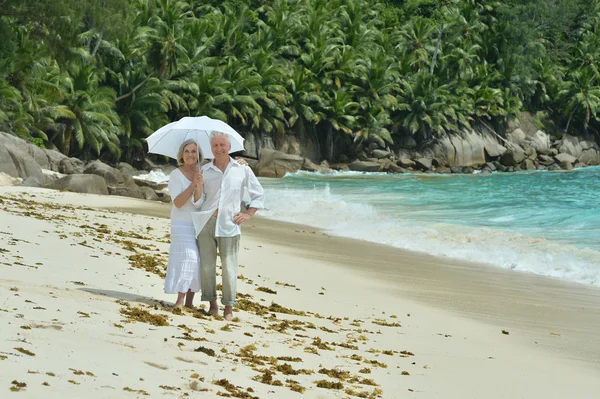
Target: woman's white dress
(183, 269)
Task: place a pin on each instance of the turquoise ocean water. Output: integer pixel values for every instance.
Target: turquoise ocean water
(546, 223)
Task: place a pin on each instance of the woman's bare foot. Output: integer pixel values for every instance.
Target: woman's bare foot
(180, 299)
(214, 308)
(228, 313)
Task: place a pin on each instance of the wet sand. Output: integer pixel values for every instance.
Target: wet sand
(562, 317)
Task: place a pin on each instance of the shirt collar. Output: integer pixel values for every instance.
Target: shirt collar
(232, 162)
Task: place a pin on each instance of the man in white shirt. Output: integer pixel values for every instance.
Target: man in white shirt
(224, 183)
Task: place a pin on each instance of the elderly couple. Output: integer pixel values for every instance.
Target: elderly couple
(205, 217)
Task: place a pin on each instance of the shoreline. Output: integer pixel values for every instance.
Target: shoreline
(449, 315)
(478, 291)
(566, 253)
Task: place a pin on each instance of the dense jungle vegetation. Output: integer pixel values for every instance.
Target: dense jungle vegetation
(94, 78)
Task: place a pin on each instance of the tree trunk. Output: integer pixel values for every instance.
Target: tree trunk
(258, 142)
(90, 26)
(97, 44)
(134, 89)
(328, 145)
(569, 121)
(437, 50)
(306, 134)
(66, 142)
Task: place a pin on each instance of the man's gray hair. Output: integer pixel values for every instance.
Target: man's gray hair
(183, 145)
(219, 134)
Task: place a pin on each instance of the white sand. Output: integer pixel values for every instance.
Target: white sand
(456, 312)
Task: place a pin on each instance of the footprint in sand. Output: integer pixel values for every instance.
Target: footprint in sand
(191, 361)
(54, 326)
(156, 366)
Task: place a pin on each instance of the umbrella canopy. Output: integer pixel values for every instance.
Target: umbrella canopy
(168, 139)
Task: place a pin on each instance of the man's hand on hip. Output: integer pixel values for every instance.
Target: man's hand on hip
(241, 217)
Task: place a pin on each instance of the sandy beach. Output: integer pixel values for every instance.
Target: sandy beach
(83, 315)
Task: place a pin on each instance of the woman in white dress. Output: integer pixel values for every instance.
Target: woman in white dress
(183, 270)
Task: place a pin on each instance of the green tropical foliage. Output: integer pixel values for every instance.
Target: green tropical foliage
(94, 78)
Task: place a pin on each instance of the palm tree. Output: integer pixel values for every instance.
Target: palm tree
(140, 115)
(341, 111)
(212, 94)
(159, 38)
(549, 77)
(40, 85)
(374, 122)
(581, 96)
(273, 98)
(11, 109)
(460, 62)
(417, 43)
(242, 84)
(233, 30)
(377, 94)
(429, 112)
(306, 104)
(95, 125)
(281, 19)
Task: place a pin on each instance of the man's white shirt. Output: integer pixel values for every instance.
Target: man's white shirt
(225, 192)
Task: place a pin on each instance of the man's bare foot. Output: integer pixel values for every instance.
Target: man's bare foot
(228, 313)
(214, 308)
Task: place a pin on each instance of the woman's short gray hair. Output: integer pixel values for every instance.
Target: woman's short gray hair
(183, 145)
(219, 134)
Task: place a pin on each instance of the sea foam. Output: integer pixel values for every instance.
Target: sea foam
(351, 215)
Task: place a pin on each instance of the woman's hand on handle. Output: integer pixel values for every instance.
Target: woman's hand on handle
(198, 180)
